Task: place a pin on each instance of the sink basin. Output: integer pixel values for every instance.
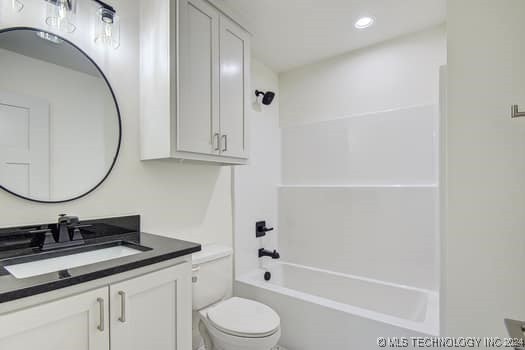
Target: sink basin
(41, 264)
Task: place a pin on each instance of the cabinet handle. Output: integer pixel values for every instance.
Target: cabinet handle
(195, 270)
(122, 317)
(217, 137)
(225, 137)
(516, 113)
(100, 302)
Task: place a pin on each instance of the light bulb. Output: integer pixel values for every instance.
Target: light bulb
(107, 29)
(59, 15)
(62, 10)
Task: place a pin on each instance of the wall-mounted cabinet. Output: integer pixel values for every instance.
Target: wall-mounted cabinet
(194, 72)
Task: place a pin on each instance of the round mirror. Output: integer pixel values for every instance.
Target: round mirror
(60, 125)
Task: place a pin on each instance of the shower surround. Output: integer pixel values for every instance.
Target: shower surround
(357, 202)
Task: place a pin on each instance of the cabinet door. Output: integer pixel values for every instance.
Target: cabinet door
(234, 88)
(152, 311)
(75, 323)
(198, 117)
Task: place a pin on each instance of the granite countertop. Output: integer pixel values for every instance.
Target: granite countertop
(161, 249)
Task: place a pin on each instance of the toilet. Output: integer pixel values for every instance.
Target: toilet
(222, 321)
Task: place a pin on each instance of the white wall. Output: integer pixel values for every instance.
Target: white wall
(359, 164)
(484, 247)
(394, 74)
(188, 201)
(255, 194)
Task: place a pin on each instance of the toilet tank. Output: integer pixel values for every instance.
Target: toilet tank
(212, 275)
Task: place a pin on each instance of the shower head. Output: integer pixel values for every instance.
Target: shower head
(268, 96)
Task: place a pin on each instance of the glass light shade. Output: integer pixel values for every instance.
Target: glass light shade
(60, 15)
(11, 6)
(107, 28)
(16, 5)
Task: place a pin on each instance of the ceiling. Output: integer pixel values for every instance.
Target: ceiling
(291, 33)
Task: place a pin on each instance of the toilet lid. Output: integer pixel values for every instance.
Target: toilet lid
(244, 318)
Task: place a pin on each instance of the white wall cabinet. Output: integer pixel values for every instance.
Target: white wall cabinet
(152, 311)
(234, 88)
(198, 118)
(195, 64)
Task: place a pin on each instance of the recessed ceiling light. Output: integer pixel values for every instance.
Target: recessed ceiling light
(364, 22)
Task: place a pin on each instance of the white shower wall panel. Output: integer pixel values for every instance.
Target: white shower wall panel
(394, 147)
(384, 233)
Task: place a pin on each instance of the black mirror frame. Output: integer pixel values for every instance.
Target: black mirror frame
(10, 29)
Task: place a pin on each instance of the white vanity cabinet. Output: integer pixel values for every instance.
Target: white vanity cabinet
(152, 311)
(194, 74)
(76, 322)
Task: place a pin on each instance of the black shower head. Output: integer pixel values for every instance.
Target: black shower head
(268, 96)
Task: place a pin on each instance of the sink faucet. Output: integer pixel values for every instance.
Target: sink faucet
(64, 240)
(64, 223)
(264, 252)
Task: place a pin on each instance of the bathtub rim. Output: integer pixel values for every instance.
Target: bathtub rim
(429, 326)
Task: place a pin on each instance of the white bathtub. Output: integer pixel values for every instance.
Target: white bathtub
(322, 309)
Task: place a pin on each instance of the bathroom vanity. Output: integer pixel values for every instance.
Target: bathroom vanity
(127, 289)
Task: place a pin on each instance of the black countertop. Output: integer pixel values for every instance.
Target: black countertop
(158, 249)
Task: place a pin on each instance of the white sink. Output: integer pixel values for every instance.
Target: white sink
(43, 266)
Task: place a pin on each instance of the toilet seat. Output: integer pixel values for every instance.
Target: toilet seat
(244, 318)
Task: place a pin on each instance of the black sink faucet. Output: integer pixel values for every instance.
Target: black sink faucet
(64, 239)
(64, 223)
(264, 252)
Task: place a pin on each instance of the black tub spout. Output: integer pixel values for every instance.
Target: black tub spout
(264, 252)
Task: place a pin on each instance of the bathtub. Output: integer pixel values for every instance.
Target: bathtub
(321, 309)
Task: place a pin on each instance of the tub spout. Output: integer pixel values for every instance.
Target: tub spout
(264, 252)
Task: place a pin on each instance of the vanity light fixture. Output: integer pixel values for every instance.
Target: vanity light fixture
(364, 22)
(107, 26)
(60, 15)
(49, 37)
(16, 5)
(10, 6)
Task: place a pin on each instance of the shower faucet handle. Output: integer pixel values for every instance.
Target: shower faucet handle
(261, 229)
